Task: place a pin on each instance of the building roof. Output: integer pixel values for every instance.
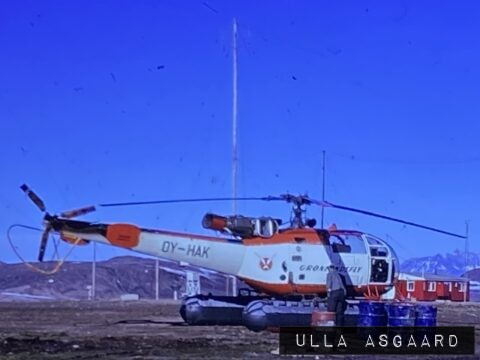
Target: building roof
(430, 277)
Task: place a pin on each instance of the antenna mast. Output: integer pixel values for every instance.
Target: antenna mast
(234, 121)
(466, 262)
(323, 186)
(234, 135)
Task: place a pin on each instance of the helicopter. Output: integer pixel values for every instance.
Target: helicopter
(277, 262)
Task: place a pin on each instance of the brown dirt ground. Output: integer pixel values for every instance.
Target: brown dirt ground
(150, 330)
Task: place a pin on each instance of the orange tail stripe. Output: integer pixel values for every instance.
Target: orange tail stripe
(124, 235)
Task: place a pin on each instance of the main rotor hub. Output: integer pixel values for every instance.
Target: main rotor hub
(298, 201)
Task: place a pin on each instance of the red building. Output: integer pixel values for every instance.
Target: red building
(429, 287)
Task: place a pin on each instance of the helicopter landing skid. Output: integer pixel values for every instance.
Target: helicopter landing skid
(256, 312)
(216, 310)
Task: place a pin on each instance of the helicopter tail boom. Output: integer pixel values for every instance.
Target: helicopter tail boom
(219, 254)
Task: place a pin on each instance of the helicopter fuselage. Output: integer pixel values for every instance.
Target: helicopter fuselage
(292, 261)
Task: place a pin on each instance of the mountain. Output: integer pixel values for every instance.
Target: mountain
(114, 277)
(473, 275)
(452, 264)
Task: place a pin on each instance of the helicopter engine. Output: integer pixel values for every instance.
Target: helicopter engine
(242, 226)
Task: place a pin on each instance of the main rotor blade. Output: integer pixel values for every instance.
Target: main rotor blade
(267, 198)
(328, 204)
(34, 197)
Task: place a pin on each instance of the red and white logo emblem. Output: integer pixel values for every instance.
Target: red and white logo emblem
(265, 263)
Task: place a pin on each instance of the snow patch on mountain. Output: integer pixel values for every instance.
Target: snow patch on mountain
(451, 264)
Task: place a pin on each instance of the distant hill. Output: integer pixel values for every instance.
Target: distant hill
(452, 264)
(130, 274)
(114, 277)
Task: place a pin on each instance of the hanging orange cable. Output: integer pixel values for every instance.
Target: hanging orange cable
(30, 265)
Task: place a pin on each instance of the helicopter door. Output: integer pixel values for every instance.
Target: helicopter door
(348, 253)
(379, 260)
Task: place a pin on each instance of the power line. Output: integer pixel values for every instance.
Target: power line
(417, 161)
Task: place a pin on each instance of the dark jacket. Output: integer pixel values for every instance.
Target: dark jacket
(334, 281)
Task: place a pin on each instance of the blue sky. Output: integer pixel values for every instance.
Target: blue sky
(126, 101)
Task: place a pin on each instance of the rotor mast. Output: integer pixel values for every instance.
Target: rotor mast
(297, 220)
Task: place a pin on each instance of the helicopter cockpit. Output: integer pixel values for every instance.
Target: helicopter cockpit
(383, 260)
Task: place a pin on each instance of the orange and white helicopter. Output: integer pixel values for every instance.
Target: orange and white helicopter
(273, 260)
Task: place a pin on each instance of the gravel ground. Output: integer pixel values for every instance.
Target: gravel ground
(151, 330)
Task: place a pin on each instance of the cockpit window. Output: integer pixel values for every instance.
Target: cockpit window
(347, 243)
(378, 251)
(372, 241)
(377, 246)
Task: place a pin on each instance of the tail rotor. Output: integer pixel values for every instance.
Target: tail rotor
(41, 206)
(48, 227)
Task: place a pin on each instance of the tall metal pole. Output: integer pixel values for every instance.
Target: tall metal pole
(234, 133)
(156, 278)
(323, 186)
(94, 269)
(466, 261)
(234, 120)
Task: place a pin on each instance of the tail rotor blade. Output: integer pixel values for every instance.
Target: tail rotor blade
(77, 212)
(43, 243)
(34, 197)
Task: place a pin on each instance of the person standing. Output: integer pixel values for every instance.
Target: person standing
(336, 295)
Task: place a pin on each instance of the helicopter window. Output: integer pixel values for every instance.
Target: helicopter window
(341, 248)
(372, 241)
(378, 251)
(347, 243)
(379, 270)
(338, 244)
